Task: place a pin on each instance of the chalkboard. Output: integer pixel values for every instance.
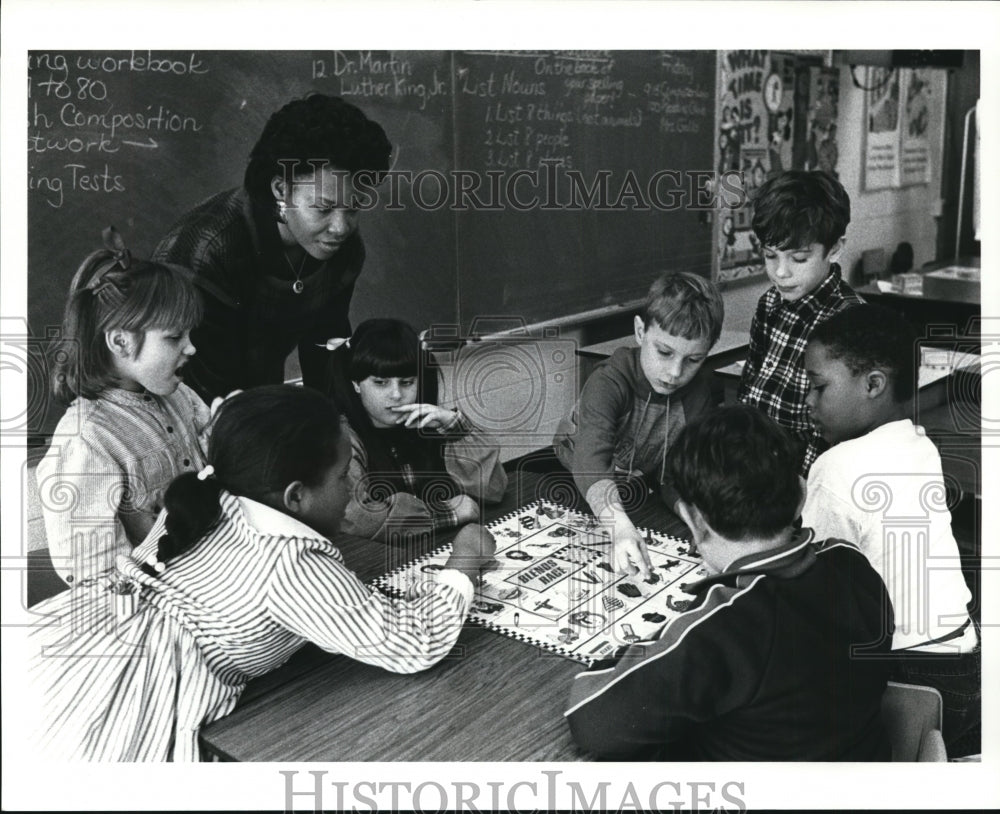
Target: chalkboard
(136, 138)
(614, 150)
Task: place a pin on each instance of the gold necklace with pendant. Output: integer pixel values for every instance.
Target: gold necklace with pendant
(298, 285)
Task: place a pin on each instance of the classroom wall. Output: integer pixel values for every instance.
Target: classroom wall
(881, 219)
(740, 302)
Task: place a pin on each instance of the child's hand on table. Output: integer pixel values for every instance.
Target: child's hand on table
(423, 416)
(628, 549)
(472, 551)
(628, 552)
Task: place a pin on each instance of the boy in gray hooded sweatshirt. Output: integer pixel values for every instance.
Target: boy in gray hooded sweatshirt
(635, 403)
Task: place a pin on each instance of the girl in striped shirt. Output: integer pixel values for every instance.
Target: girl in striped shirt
(237, 575)
(414, 465)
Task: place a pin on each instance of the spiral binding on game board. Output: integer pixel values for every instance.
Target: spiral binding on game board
(528, 639)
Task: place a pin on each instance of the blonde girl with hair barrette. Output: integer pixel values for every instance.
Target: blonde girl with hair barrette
(131, 425)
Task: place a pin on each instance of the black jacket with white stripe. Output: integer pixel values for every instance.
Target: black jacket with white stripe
(768, 664)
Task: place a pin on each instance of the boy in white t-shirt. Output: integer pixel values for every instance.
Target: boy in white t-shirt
(880, 486)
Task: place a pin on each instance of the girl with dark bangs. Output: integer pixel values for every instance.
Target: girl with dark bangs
(413, 462)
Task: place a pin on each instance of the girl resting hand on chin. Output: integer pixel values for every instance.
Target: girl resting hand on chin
(413, 462)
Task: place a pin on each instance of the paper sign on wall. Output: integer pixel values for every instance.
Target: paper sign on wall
(898, 109)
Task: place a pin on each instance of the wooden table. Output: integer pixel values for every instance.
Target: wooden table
(492, 699)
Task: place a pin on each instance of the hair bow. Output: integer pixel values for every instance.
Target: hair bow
(115, 243)
(120, 258)
(336, 342)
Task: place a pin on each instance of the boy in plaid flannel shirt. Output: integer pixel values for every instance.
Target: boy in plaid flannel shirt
(800, 219)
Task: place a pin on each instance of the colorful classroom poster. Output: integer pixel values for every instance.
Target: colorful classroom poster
(776, 111)
(882, 132)
(754, 113)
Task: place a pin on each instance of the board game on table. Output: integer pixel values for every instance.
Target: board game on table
(554, 584)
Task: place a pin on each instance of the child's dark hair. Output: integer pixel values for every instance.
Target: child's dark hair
(741, 469)
(390, 348)
(261, 440)
(317, 128)
(684, 304)
(870, 337)
(798, 208)
(112, 291)
(379, 347)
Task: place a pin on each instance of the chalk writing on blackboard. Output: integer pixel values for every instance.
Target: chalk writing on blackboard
(369, 75)
(606, 154)
(78, 124)
(536, 106)
(540, 184)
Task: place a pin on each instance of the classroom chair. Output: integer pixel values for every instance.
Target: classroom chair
(912, 717)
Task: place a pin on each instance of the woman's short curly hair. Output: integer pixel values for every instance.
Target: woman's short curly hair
(316, 128)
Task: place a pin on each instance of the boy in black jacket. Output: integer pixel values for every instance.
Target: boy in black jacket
(770, 662)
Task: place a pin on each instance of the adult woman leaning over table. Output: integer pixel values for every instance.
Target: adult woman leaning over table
(277, 259)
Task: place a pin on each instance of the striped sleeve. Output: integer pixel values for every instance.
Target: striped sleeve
(314, 595)
(701, 667)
